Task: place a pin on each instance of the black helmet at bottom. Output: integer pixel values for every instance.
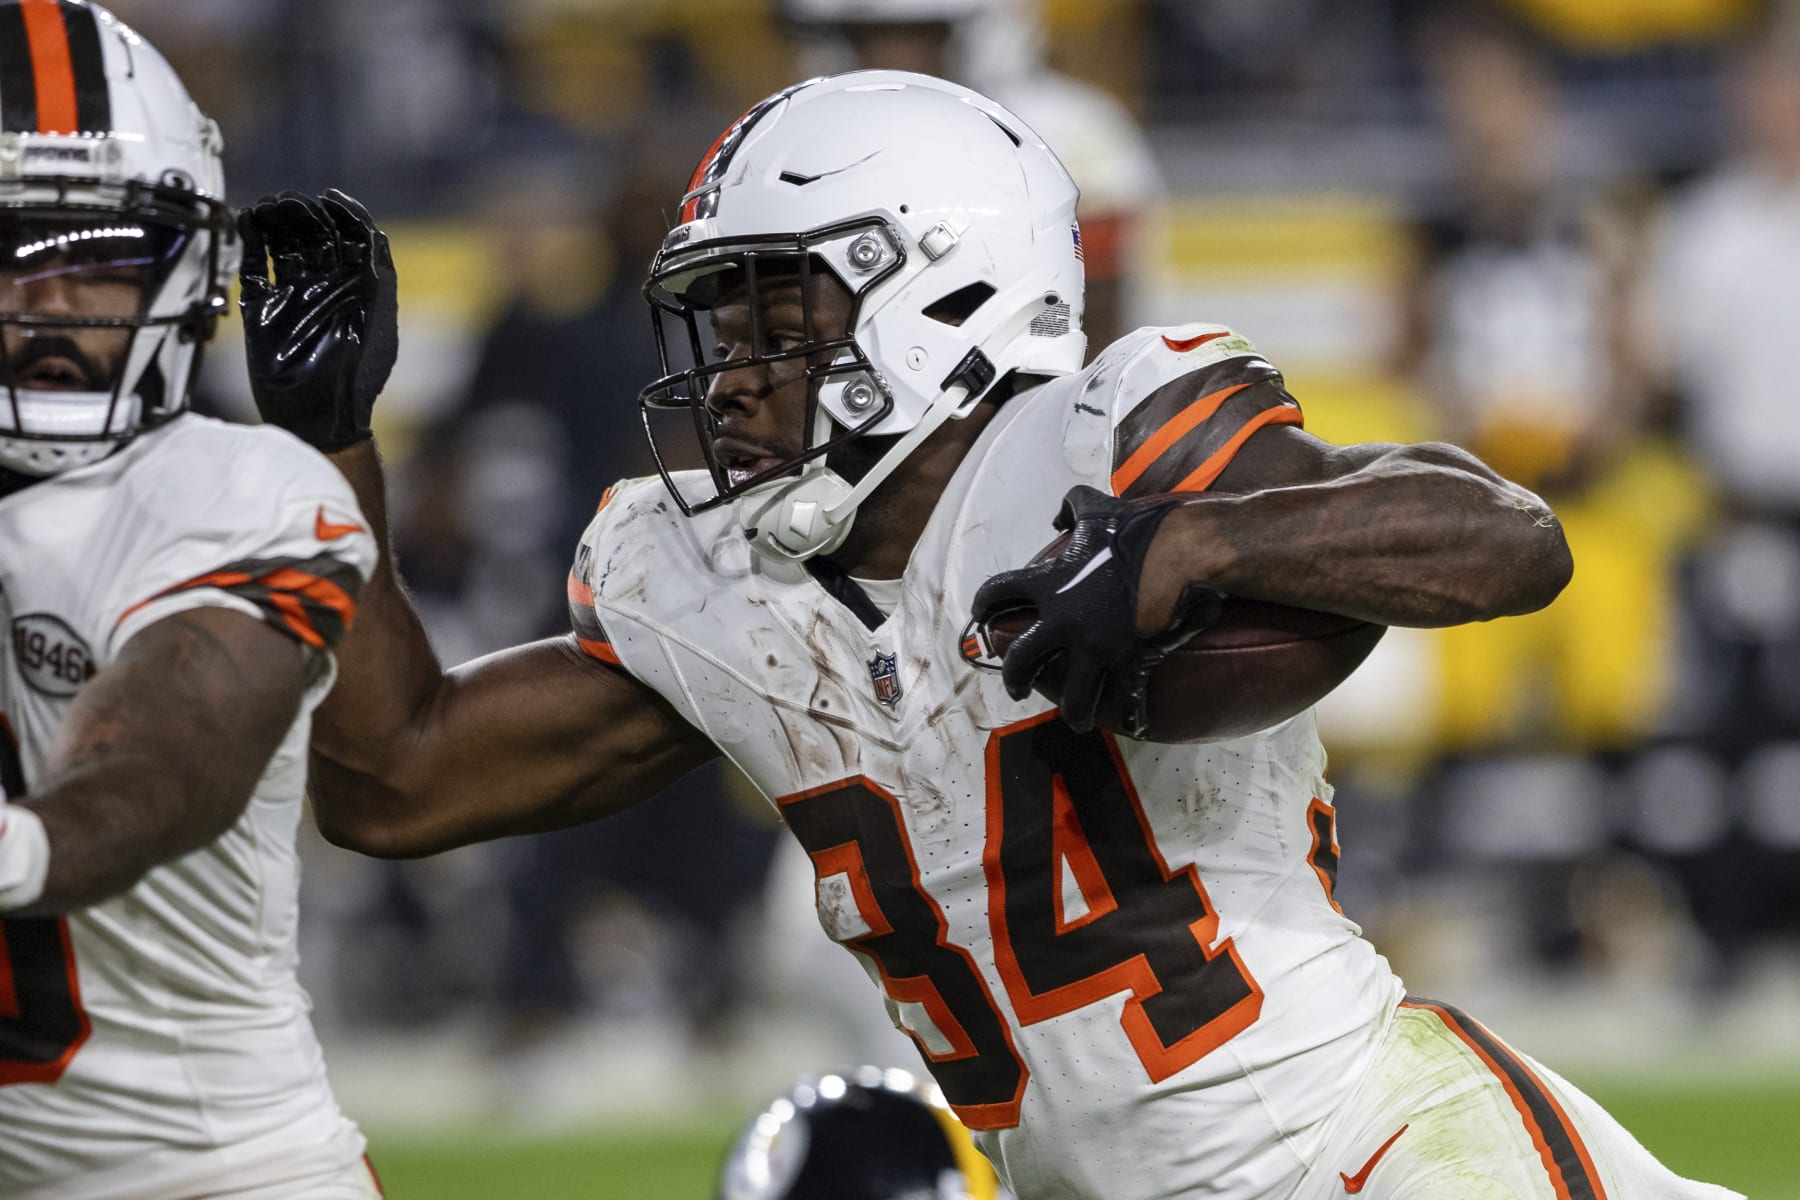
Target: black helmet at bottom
(866, 1134)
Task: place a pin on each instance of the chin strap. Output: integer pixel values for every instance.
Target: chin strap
(791, 520)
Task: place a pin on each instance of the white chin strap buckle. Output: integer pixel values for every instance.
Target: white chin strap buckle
(793, 519)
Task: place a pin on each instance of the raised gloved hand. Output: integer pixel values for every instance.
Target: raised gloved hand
(321, 336)
(1086, 602)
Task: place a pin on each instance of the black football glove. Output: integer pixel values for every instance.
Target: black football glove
(321, 336)
(1086, 601)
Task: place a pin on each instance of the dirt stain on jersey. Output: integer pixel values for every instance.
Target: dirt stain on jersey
(937, 714)
(1200, 804)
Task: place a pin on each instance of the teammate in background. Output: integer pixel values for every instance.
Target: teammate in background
(172, 588)
(1121, 960)
(867, 1134)
(998, 47)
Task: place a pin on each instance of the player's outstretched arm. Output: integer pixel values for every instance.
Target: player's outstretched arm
(409, 760)
(1415, 535)
(159, 754)
(532, 738)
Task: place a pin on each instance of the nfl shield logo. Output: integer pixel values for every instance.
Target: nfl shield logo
(884, 669)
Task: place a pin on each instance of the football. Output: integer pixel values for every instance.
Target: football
(1255, 667)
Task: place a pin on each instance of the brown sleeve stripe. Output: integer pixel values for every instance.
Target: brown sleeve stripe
(586, 623)
(1172, 400)
(1565, 1156)
(1196, 446)
(313, 600)
(1178, 427)
(1202, 476)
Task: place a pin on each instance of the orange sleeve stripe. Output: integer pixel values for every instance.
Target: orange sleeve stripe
(218, 579)
(579, 592)
(600, 650)
(288, 593)
(294, 614)
(320, 591)
(1203, 476)
(605, 499)
(52, 66)
(1173, 430)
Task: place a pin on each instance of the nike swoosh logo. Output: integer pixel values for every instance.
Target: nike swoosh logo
(1193, 343)
(1354, 1183)
(1094, 564)
(325, 531)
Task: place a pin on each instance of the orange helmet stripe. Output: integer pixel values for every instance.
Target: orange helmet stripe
(53, 71)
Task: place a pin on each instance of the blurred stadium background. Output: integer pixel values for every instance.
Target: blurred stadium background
(1565, 233)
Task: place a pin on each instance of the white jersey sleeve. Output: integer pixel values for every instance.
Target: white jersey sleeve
(274, 533)
(584, 621)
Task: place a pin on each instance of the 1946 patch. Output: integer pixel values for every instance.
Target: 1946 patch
(53, 658)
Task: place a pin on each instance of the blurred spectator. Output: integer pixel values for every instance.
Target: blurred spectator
(1724, 297)
(548, 426)
(573, 339)
(1726, 291)
(1723, 306)
(1515, 330)
(1620, 25)
(997, 47)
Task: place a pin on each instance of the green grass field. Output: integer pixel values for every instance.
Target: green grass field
(1738, 1135)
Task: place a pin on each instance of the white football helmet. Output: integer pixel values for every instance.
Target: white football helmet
(950, 224)
(109, 174)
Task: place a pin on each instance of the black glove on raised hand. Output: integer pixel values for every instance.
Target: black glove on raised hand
(321, 336)
(1086, 601)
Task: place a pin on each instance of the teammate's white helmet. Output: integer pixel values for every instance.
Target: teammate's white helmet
(946, 218)
(107, 170)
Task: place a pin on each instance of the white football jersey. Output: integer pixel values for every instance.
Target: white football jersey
(158, 1044)
(1121, 961)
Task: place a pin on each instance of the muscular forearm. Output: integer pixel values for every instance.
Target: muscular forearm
(531, 738)
(106, 834)
(408, 759)
(161, 752)
(1416, 536)
(388, 673)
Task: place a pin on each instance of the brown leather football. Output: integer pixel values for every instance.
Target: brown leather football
(1255, 667)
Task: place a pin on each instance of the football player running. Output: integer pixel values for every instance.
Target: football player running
(171, 588)
(1121, 961)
